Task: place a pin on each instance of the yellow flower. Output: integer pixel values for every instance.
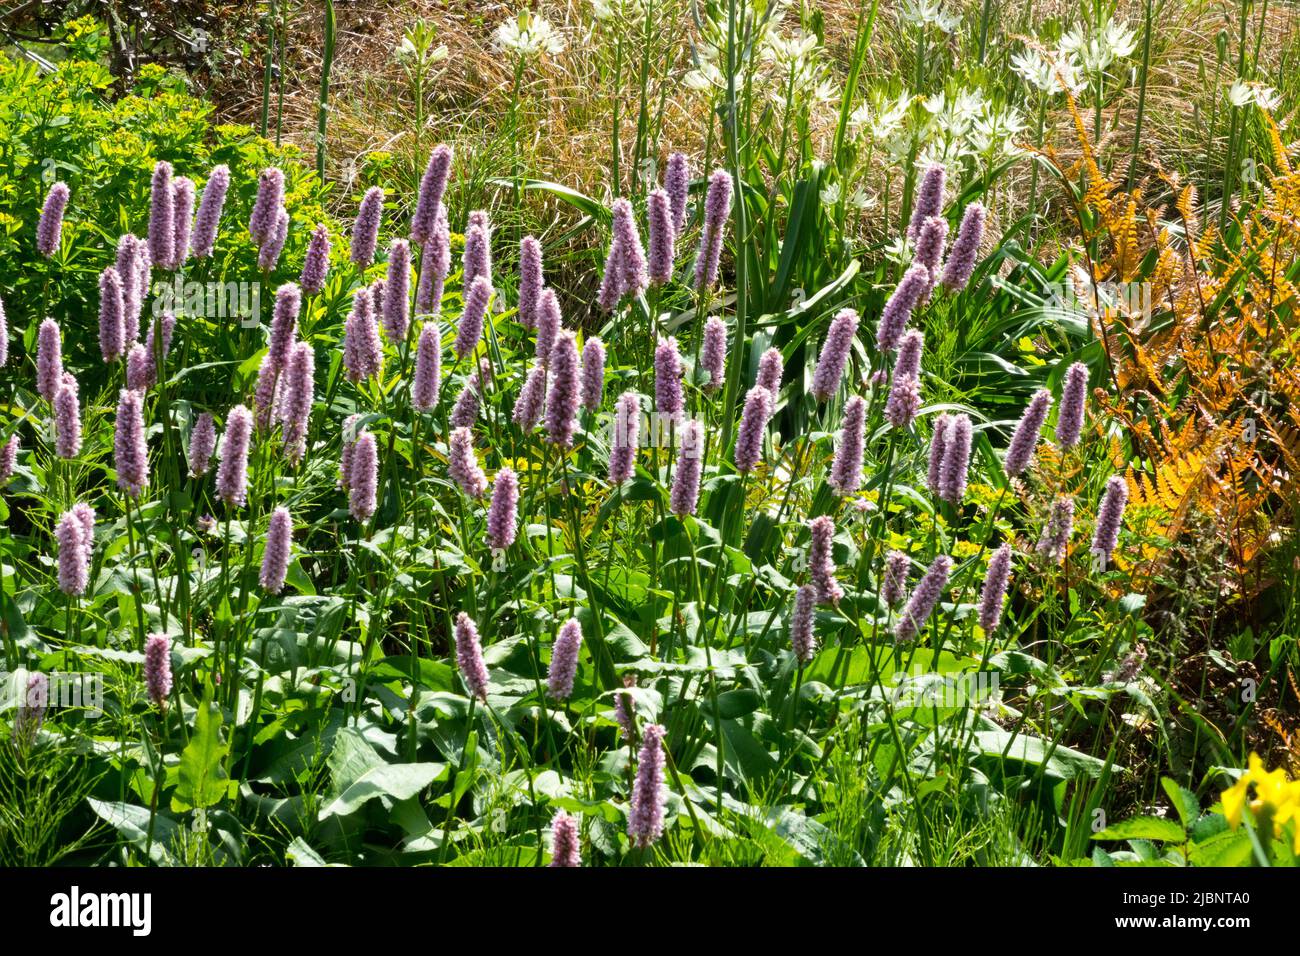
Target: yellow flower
(1277, 798)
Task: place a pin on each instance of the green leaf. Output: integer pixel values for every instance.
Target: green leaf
(1229, 848)
(1183, 800)
(395, 781)
(202, 778)
(1144, 828)
(132, 823)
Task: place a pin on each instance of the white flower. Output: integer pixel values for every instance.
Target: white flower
(830, 194)
(705, 77)
(528, 35)
(1033, 68)
(790, 51)
(604, 10)
(858, 199)
(923, 13)
(899, 251)
(1243, 93)
(1240, 94)
(881, 117)
(1047, 73)
(1119, 40)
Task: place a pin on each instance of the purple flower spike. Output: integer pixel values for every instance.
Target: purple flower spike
(912, 288)
(956, 460)
(232, 464)
(8, 458)
(894, 586)
(1110, 515)
(465, 412)
(31, 710)
(677, 182)
(316, 264)
(67, 419)
(821, 562)
(203, 442)
(469, 657)
(905, 390)
(938, 443)
(428, 366)
(206, 223)
(753, 425)
(1024, 442)
(267, 206)
(770, 369)
(503, 513)
(347, 442)
(130, 454)
(929, 199)
(846, 469)
(713, 353)
(49, 230)
(930, 243)
(633, 272)
(663, 238)
(802, 640)
(548, 324)
(717, 207)
(295, 410)
(834, 355)
(433, 186)
(626, 428)
(269, 254)
(111, 315)
(562, 399)
(477, 260)
(995, 589)
(471, 320)
(532, 398)
(132, 269)
(363, 477)
(611, 283)
(1055, 540)
(153, 352)
(593, 373)
(279, 545)
(1074, 394)
(669, 400)
(363, 355)
(74, 570)
(922, 603)
(462, 464)
(365, 230)
(397, 292)
(686, 476)
(284, 323)
(49, 359)
(158, 669)
(266, 396)
(566, 843)
(645, 819)
(965, 248)
(137, 368)
(530, 280)
(162, 216)
(435, 262)
(564, 660)
(182, 219)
